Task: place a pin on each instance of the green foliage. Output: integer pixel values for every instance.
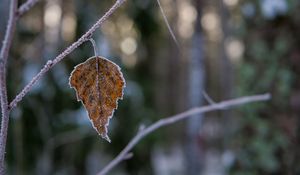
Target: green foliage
(262, 143)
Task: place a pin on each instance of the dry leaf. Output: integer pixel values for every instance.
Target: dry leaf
(99, 84)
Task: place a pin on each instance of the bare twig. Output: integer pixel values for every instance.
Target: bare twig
(66, 52)
(3, 92)
(208, 98)
(128, 156)
(10, 28)
(167, 23)
(170, 120)
(26, 7)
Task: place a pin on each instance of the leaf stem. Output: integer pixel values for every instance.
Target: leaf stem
(94, 46)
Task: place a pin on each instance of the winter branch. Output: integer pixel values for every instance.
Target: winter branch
(66, 52)
(175, 118)
(11, 25)
(26, 7)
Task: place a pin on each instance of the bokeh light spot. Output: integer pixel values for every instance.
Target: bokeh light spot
(234, 49)
(128, 45)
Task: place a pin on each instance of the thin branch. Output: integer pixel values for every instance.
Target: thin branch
(66, 52)
(11, 25)
(26, 7)
(167, 23)
(128, 156)
(208, 98)
(170, 120)
(10, 28)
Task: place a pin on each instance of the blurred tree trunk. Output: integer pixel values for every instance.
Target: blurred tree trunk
(220, 84)
(226, 75)
(196, 75)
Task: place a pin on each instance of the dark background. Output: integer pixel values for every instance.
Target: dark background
(227, 48)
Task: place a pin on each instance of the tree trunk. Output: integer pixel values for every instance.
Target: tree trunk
(196, 76)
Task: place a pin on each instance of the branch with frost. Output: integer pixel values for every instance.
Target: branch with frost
(26, 7)
(10, 28)
(123, 155)
(66, 52)
(14, 14)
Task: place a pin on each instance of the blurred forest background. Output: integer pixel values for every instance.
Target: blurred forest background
(228, 48)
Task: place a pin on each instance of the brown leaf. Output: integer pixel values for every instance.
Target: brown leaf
(99, 84)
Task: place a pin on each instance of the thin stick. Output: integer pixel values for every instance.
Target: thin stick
(208, 98)
(66, 52)
(11, 25)
(167, 23)
(26, 7)
(170, 120)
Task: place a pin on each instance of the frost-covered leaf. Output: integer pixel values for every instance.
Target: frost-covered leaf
(99, 85)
